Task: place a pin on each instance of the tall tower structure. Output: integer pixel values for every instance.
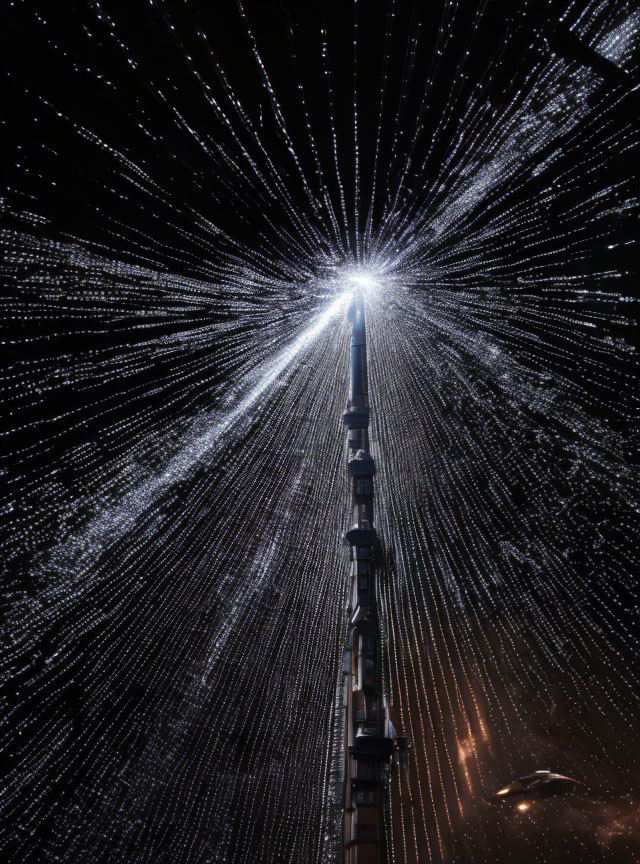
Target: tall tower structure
(368, 732)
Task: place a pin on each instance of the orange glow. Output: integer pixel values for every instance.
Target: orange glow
(503, 791)
(466, 750)
(523, 807)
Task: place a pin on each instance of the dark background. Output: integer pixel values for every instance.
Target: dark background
(70, 323)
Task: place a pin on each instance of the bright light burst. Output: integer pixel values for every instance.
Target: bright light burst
(365, 280)
(181, 239)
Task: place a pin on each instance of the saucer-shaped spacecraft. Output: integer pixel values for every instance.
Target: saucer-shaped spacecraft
(540, 784)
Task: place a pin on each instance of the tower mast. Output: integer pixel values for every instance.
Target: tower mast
(367, 731)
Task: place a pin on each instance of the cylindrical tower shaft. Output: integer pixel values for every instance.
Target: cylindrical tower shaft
(368, 733)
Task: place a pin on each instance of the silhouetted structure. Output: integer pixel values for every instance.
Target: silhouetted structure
(368, 732)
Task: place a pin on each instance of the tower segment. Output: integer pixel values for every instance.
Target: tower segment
(367, 730)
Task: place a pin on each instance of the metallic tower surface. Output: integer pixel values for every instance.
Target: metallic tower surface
(367, 731)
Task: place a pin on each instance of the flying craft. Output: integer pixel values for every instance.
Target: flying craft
(540, 784)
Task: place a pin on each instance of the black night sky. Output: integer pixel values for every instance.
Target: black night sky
(190, 186)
